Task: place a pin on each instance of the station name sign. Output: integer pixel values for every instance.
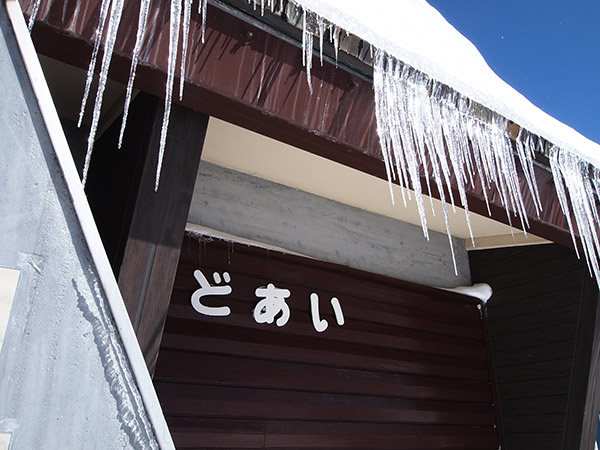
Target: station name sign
(271, 305)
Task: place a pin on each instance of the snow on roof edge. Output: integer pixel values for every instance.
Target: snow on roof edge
(417, 34)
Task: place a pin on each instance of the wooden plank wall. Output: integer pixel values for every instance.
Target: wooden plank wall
(533, 318)
(408, 369)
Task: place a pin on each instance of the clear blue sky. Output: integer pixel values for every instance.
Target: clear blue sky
(549, 50)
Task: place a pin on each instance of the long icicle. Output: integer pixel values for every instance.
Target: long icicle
(202, 11)
(307, 44)
(34, 13)
(139, 40)
(116, 12)
(187, 12)
(413, 113)
(173, 46)
(104, 9)
(573, 173)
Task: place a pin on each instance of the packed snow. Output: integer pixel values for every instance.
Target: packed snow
(481, 291)
(440, 109)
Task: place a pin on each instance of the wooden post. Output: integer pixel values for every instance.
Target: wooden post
(143, 229)
(584, 396)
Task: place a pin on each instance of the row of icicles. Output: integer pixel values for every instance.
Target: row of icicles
(424, 127)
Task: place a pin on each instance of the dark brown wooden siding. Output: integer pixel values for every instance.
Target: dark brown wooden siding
(409, 369)
(534, 317)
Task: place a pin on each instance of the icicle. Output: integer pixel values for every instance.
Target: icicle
(187, 12)
(561, 191)
(202, 11)
(262, 72)
(307, 44)
(175, 18)
(596, 183)
(104, 9)
(456, 145)
(422, 123)
(573, 184)
(378, 86)
(139, 39)
(400, 154)
(116, 11)
(334, 33)
(321, 27)
(485, 184)
(36, 8)
(526, 156)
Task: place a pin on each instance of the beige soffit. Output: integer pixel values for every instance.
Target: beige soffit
(236, 148)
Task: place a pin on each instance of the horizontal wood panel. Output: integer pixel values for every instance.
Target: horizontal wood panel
(539, 423)
(529, 441)
(356, 436)
(539, 336)
(359, 333)
(539, 319)
(536, 353)
(536, 371)
(520, 277)
(223, 370)
(408, 369)
(540, 405)
(212, 401)
(310, 434)
(532, 305)
(521, 258)
(546, 285)
(289, 348)
(534, 388)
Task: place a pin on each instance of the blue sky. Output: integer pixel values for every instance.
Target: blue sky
(549, 50)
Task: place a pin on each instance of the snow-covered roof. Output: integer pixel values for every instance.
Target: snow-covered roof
(417, 34)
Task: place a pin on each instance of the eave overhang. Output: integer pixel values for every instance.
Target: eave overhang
(250, 77)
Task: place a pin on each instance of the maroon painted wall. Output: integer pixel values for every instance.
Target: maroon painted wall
(408, 369)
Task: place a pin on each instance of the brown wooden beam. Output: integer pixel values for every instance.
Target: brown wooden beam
(158, 224)
(245, 76)
(142, 229)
